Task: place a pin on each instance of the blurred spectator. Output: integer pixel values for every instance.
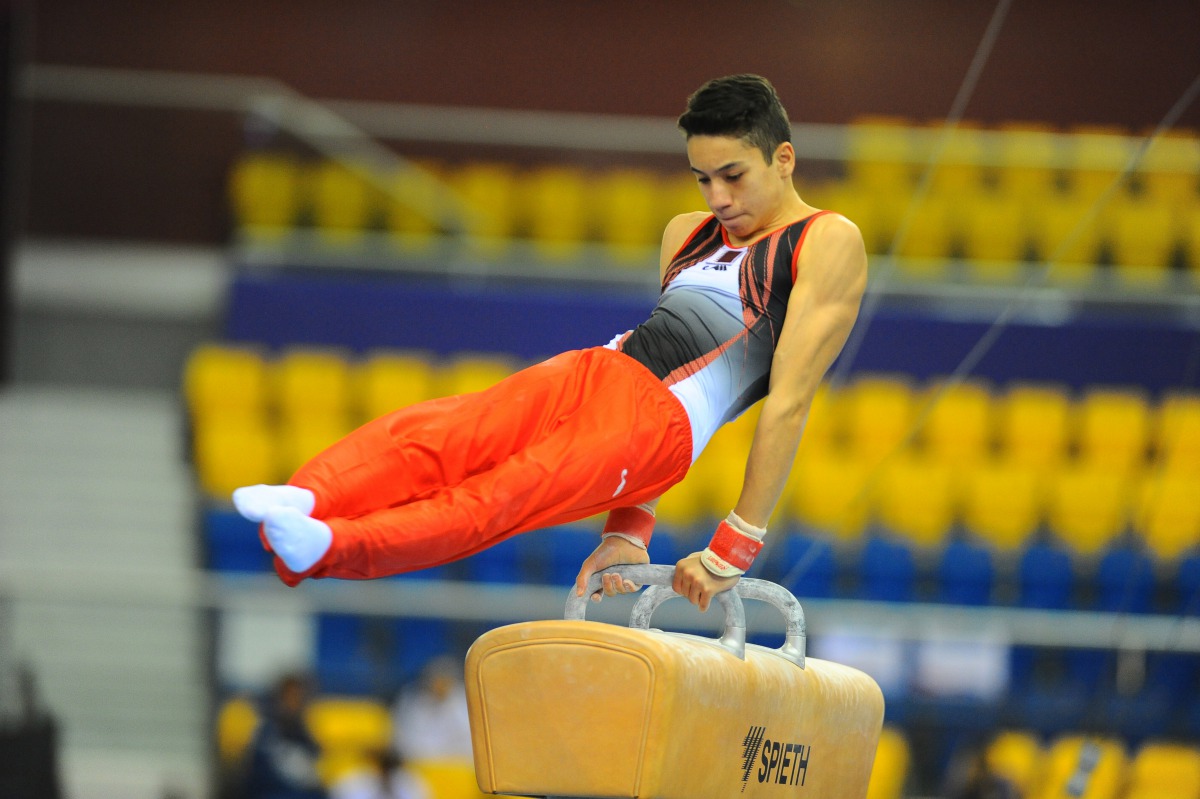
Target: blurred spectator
(430, 721)
(386, 779)
(28, 745)
(283, 755)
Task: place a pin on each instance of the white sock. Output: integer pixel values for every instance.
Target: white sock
(299, 541)
(255, 502)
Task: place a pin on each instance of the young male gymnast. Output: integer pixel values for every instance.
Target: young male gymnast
(758, 297)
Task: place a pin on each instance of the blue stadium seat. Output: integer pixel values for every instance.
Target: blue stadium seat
(564, 549)
(805, 566)
(232, 543)
(417, 642)
(1046, 578)
(1125, 581)
(353, 654)
(965, 574)
(506, 562)
(887, 570)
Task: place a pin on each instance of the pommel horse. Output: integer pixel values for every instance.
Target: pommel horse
(573, 709)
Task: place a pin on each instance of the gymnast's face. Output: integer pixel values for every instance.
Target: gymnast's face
(747, 194)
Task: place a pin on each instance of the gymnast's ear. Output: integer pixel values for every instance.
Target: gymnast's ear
(784, 159)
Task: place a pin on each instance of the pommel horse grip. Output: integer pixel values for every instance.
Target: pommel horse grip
(659, 577)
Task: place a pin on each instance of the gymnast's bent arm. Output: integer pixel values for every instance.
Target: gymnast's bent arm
(831, 275)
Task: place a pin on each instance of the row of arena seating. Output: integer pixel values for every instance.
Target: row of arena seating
(1006, 464)
(349, 728)
(995, 202)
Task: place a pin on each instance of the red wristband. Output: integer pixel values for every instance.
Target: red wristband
(635, 521)
(734, 547)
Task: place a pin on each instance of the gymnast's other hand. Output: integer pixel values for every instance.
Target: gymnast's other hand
(697, 584)
(613, 551)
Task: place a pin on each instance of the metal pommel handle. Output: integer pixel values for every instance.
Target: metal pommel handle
(659, 577)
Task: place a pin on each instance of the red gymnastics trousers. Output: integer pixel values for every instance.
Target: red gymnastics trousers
(578, 434)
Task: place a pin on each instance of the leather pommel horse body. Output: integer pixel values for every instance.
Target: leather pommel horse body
(574, 708)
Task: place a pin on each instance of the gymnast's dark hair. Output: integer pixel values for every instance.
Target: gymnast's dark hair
(745, 106)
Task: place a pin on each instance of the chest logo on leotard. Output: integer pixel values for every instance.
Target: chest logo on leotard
(723, 260)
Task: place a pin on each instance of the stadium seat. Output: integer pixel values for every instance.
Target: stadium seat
(342, 200)
(1088, 507)
(489, 192)
(878, 415)
(832, 495)
(1162, 770)
(930, 239)
(1189, 227)
(1141, 234)
(467, 373)
(387, 380)
(805, 566)
(1124, 581)
(312, 384)
(237, 720)
(555, 198)
(301, 438)
(1113, 428)
(1034, 424)
(824, 428)
(411, 208)
(232, 543)
(1167, 516)
(505, 562)
(887, 571)
(917, 499)
(965, 574)
(1002, 503)
(1084, 768)
(629, 216)
(448, 779)
(348, 731)
(960, 425)
(684, 505)
(1046, 578)
(963, 162)
(1066, 236)
(230, 454)
(1170, 167)
(226, 381)
(881, 154)
(889, 775)
(1175, 433)
(995, 235)
(265, 192)
(1030, 158)
(1018, 757)
(1096, 156)
(562, 551)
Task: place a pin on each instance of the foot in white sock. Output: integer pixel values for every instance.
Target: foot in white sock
(299, 541)
(255, 502)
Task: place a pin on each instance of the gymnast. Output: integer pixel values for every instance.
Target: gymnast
(758, 296)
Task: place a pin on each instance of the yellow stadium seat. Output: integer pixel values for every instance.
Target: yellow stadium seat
(236, 722)
(1165, 771)
(874, 215)
(832, 494)
(930, 238)
(962, 166)
(1189, 227)
(1141, 233)
(1002, 503)
(235, 453)
(471, 372)
(349, 733)
(824, 428)
(684, 504)
(265, 192)
(629, 215)
(1088, 507)
(489, 190)
(1168, 513)
(313, 384)
(917, 499)
(449, 779)
(881, 154)
(387, 380)
(555, 199)
(1176, 433)
(411, 209)
(301, 439)
(996, 233)
(960, 425)
(879, 415)
(1017, 757)
(1170, 168)
(342, 200)
(1113, 428)
(1066, 235)
(1035, 424)
(1030, 158)
(680, 194)
(889, 775)
(1097, 155)
(225, 381)
(1098, 771)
